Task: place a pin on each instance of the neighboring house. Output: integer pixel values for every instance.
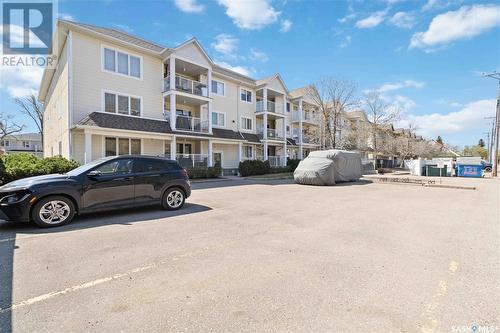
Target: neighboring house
(23, 143)
(113, 93)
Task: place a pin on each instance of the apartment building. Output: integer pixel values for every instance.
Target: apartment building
(22, 143)
(113, 93)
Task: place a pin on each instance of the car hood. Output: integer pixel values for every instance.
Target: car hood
(30, 181)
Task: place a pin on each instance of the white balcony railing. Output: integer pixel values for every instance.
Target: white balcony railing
(306, 116)
(272, 134)
(276, 161)
(190, 124)
(271, 107)
(192, 160)
(186, 85)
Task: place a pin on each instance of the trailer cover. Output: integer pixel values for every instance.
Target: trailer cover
(327, 167)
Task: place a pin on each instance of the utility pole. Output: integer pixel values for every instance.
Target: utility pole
(495, 76)
(492, 136)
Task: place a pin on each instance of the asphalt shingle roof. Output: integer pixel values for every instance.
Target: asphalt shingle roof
(120, 35)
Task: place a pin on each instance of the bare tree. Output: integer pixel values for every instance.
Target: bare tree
(380, 114)
(332, 97)
(30, 106)
(8, 126)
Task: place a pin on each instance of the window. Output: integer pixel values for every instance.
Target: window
(26, 144)
(246, 95)
(287, 107)
(109, 60)
(287, 128)
(135, 67)
(218, 119)
(248, 151)
(143, 165)
(122, 146)
(122, 63)
(122, 104)
(109, 102)
(246, 123)
(218, 87)
(5, 143)
(118, 167)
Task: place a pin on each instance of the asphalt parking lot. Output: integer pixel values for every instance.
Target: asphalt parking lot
(246, 256)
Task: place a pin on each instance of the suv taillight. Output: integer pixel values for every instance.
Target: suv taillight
(184, 173)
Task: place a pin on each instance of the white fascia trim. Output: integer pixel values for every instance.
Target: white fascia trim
(105, 131)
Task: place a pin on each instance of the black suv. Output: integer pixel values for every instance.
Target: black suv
(104, 184)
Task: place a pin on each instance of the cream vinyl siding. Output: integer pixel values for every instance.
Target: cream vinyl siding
(89, 79)
(230, 103)
(56, 121)
(152, 147)
(229, 155)
(192, 53)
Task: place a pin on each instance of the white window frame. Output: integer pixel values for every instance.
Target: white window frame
(116, 50)
(225, 119)
(103, 102)
(252, 150)
(117, 145)
(5, 143)
(243, 118)
(26, 144)
(217, 93)
(251, 97)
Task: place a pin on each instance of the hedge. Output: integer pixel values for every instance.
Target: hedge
(21, 165)
(292, 164)
(254, 167)
(203, 172)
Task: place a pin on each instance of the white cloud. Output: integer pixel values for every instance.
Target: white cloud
(226, 45)
(440, 4)
(239, 69)
(66, 16)
(345, 42)
(19, 82)
(465, 23)
(258, 55)
(403, 20)
(465, 121)
(347, 18)
(399, 85)
(285, 25)
(17, 37)
(372, 21)
(251, 15)
(189, 6)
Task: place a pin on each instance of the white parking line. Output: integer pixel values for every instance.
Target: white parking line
(97, 282)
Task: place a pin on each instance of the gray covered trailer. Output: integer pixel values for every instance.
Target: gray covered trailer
(327, 167)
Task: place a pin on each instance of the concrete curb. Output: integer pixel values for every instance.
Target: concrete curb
(458, 187)
(212, 180)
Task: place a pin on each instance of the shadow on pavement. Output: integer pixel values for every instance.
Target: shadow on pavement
(10, 230)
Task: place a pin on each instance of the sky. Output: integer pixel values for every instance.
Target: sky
(425, 56)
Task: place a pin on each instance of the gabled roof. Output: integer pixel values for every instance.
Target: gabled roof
(24, 137)
(268, 79)
(299, 92)
(193, 41)
(114, 33)
(358, 114)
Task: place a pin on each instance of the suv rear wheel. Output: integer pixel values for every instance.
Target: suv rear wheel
(173, 199)
(53, 211)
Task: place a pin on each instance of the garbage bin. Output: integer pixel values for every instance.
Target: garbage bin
(474, 171)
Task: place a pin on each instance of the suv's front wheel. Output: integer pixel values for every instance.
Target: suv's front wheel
(53, 211)
(173, 199)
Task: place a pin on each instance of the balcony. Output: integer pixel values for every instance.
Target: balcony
(272, 134)
(189, 124)
(192, 160)
(271, 107)
(186, 85)
(308, 117)
(276, 161)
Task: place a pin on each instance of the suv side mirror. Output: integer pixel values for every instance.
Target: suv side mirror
(94, 173)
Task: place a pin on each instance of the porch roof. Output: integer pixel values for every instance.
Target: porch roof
(130, 123)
